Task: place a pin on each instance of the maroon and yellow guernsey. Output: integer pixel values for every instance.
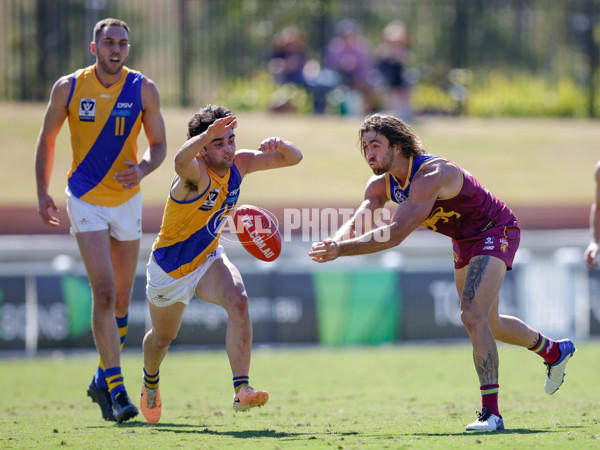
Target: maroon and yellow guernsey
(473, 210)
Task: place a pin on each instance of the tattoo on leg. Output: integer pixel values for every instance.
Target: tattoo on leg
(474, 275)
(487, 369)
(535, 342)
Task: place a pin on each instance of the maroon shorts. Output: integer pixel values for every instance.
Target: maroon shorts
(501, 242)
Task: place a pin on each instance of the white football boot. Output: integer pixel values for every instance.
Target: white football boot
(555, 373)
(486, 421)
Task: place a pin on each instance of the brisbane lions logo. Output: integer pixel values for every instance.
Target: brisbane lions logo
(437, 215)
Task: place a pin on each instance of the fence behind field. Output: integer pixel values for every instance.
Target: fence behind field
(201, 51)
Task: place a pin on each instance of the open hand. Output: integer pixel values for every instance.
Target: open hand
(271, 144)
(324, 251)
(220, 127)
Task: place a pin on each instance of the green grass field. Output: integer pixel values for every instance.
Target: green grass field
(523, 161)
(417, 396)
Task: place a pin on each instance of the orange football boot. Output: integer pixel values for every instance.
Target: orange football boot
(247, 398)
(150, 404)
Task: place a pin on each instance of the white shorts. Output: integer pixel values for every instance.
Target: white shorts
(124, 222)
(164, 290)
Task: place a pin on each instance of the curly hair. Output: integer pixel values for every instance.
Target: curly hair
(204, 118)
(396, 132)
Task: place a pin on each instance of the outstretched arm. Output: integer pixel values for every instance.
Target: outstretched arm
(272, 153)
(368, 213)
(54, 117)
(591, 252)
(363, 220)
(409, 215)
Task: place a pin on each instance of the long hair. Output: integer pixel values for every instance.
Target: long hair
(204, 118)
(396, 132)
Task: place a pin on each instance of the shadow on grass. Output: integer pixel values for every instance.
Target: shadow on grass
(246, 434)
(501, 432)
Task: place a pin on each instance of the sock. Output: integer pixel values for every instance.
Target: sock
(489, 398)
(151, 381)
(122, 324)
(114, 378)
(99, 378)
(546, 348)
(238, 382)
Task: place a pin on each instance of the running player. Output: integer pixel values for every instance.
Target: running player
(591, 252)
(436, 193)
(106, 105)
(187, 259)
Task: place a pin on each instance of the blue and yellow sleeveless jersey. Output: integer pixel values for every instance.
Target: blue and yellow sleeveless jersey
(104, 124)
(190, 230)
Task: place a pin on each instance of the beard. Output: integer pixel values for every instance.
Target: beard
(379, 171)
(384, 166)
(222, 164)
(107, 68)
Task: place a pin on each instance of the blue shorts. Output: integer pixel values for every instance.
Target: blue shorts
(500, 242)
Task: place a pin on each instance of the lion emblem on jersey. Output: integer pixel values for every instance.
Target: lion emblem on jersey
(437, 215)
(399, 196)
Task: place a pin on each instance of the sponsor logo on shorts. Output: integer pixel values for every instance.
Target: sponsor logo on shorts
(159, 298)
(489, 247)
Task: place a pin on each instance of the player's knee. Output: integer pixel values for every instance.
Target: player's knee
(163, 340)
(239, 304)
(104, 295)
(471, 319)
(122, 304)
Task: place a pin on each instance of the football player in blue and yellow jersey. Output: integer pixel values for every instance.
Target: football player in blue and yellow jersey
(187, 259)
(106, 105)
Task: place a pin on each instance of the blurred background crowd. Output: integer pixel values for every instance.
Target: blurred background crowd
(468, 57)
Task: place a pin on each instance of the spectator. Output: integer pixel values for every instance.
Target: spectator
(289, 63)
(286, 65)
(350, 55)
(288, 57)
(393, 56)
